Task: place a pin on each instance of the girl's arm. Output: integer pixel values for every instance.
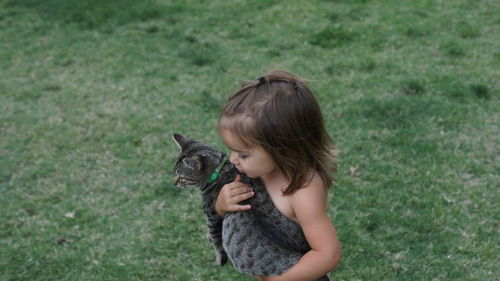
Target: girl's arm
(310, 207)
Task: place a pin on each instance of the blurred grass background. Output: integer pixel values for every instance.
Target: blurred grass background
(90, 92)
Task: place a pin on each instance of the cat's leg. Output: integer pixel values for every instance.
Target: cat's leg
(215, 236)
(221, 256)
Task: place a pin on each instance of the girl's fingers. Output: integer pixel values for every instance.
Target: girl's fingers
(232, 194)
(240, 190)
(242, 197)
(239, 208)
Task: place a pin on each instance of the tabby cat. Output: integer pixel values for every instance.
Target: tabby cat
(261, 241)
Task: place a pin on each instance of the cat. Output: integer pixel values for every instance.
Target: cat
(261, 241)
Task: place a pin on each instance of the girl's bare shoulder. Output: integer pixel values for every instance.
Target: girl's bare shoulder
(312, 197)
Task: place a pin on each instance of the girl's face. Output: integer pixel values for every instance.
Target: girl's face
(253, 161)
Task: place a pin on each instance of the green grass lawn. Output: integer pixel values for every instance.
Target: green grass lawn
(91, 91)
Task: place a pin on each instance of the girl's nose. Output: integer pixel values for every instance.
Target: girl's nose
(233, 158)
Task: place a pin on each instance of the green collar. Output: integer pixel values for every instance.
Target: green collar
(215, 174)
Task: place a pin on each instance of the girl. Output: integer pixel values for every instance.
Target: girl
(274, 129)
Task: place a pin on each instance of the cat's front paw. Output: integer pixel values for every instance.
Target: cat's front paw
(221, 259)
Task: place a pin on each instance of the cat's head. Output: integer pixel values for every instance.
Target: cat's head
(196, 162)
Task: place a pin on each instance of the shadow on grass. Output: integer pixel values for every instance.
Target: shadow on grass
(94, 14)
(419, 105)
(408, 122)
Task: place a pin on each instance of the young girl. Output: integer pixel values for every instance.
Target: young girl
(274, 129)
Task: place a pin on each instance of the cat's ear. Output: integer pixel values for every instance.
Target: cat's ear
(192, 163)
(217, 154)
(180, 140)
(221, 154)
(213, 154)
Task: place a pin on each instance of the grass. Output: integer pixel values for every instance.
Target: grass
(90, 92)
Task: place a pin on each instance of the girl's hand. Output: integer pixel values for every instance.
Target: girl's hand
(230, 195)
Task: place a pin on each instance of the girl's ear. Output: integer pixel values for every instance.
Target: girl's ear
(180, 140)
(192, 163)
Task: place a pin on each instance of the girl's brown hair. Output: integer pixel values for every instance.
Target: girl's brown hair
(279, 112)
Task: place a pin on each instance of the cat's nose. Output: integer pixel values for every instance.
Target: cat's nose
(175, 180)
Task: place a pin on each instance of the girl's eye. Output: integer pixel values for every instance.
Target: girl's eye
(242, 156)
